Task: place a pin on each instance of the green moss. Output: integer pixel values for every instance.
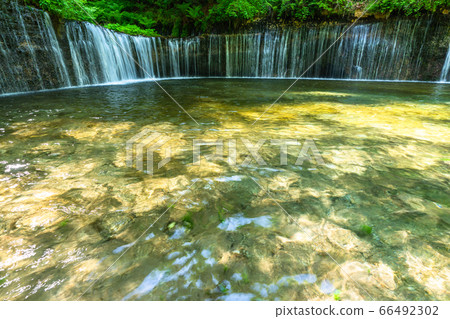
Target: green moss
(188, 221)
(171, 225)
(131, 29)
(63, 223)
(337, 295)
(220, 214)
(225, 268)
(245, 279)
(223, 289)
(365, 230)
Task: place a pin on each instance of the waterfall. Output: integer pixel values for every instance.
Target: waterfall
(372, 51)
(369, 51)
(215, 55)
(101, 56)
(445, 74)
(33, 57)
(30, 55)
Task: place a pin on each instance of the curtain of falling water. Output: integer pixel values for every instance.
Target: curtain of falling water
(369, 51)
(376, 51)
(100, 55)
(445, 74)
(30, 55)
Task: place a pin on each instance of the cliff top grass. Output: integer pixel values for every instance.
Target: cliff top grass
(189, 17)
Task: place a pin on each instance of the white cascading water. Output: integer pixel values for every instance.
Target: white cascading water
(369, 51)
(366, 51)
(101, 56)
(445, 74)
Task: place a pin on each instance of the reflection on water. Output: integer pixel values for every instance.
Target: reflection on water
(234, 222)
(69, 205)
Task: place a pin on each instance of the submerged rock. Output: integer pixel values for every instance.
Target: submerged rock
(113, 223)
(237, 189)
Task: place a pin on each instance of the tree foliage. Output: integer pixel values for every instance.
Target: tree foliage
(69, 9)
(186, 17)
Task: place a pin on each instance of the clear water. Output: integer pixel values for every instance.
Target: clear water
(70, 207)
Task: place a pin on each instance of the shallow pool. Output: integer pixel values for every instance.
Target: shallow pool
(365, 216)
